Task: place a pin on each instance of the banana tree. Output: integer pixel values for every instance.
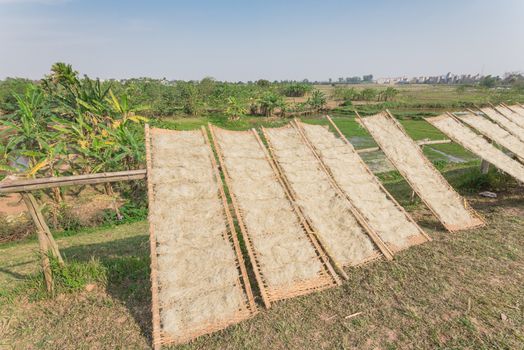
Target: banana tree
(317, 100)
(235, 109)
(269, 102)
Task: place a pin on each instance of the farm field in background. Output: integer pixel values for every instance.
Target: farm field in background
(448, 155)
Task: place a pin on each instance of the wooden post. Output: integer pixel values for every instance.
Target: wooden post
(41, 225)
(155, 303)
(484, 167)
(75, 180)
(43, 240)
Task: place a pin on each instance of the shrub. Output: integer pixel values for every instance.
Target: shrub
(12, 230)
(296, 89)
(474, 181)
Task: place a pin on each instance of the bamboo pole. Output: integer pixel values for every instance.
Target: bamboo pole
(88, 179)
(508, 107)
(39, 220)
(420, 143)
(155, 306)
(43, 242)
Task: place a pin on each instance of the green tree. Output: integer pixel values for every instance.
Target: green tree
(263, 83)
(192, 103)
(317, 100)
(344, 93)
(388, 94)
(207, 86)
(8, 89)
(28, 135)
(269, 102)
(234, 109)
(368, 94)
(488, 81)
(367, 78)
(460, 89)
(296, 89)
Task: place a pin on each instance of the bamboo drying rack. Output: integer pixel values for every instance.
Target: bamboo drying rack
(414, 240)
(328, 278)
(451, 228)
(383, 249)
(160, 337)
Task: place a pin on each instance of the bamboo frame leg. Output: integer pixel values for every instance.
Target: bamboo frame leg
(40, 223)
(155, 304)
(43, 241)
(484, 167)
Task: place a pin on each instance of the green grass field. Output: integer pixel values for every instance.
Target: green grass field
(461, 291)
(417, 129)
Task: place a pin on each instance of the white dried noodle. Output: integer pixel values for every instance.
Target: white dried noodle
(518, 109)
(283, 251)
(197, 272)
(478, 145)
(504, 122)
(513, 116)
(495, 133)
(406, 155)
(344, 238)
(362, 187)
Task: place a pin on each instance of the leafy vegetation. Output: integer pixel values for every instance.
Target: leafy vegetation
(65, 124)
(296, 89)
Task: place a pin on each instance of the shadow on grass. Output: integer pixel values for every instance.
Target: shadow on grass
(127, 266)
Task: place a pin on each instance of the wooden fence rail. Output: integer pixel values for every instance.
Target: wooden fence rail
(48, 246)
(89, 179)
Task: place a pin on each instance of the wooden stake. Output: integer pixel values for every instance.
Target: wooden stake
(155, 304)
(484, 167)
(41, 225)
(43, 241)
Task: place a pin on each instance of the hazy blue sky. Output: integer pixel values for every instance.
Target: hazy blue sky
(251, 39)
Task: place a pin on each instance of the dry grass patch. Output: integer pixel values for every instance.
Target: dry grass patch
(461, 291)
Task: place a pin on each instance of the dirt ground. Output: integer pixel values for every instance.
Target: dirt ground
(460, 291)
(12, 205)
